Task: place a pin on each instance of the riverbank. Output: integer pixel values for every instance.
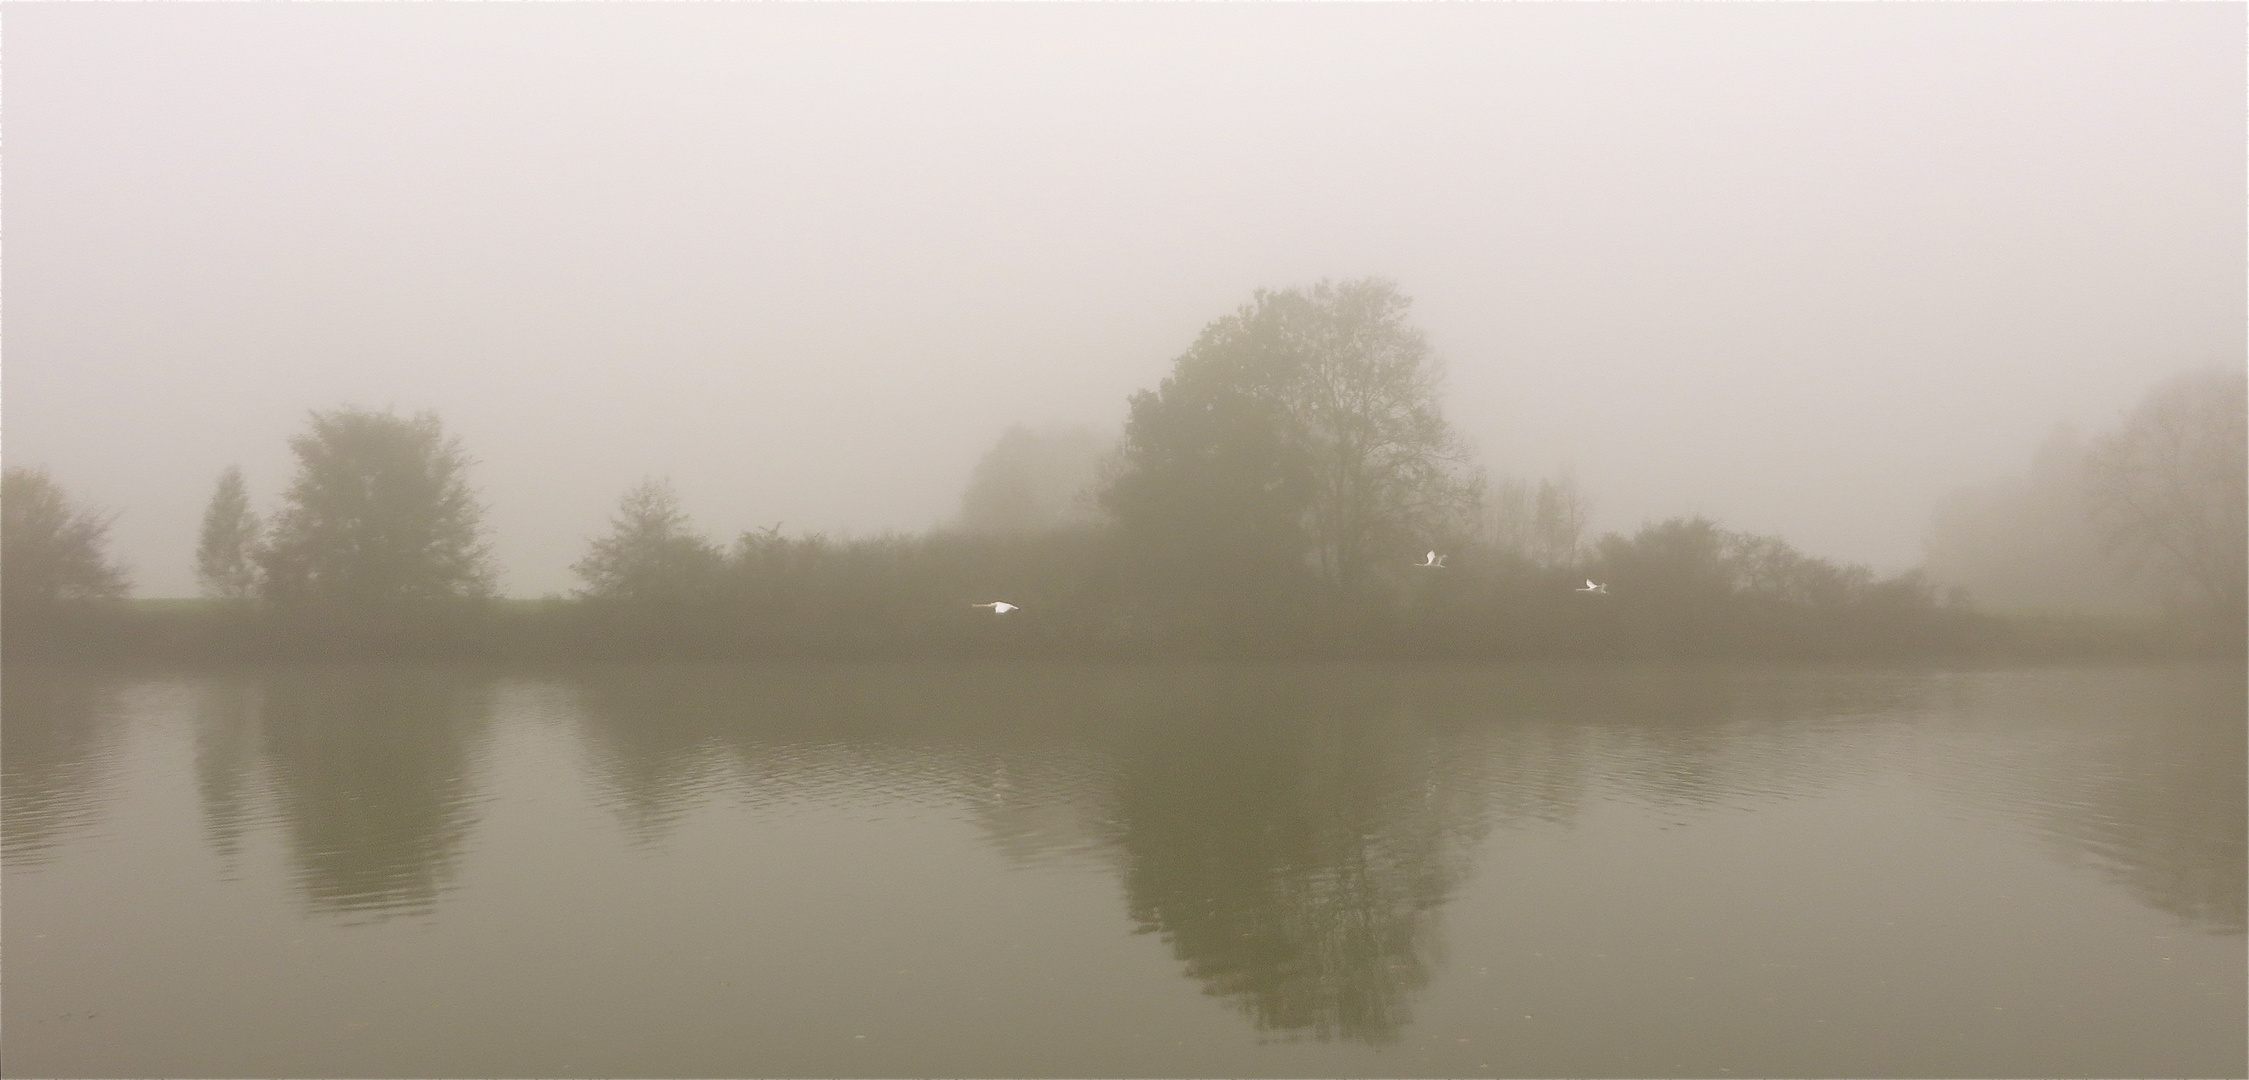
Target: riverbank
(1610, 628)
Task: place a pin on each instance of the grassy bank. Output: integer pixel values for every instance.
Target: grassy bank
(1450, 626)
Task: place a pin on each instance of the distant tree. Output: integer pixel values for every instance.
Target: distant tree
(1545, 524)
(2168, 490)
(1771, 568)
(1693, 563)
(50, 551)
(1689, 587)
(651, 554)
(1558, 524)
(1688, 562)
(2027, 543)
(1509, 511)
(1034, 481)
(1302, 429)
(226, 558)
(380, 513)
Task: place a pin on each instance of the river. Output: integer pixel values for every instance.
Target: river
(1154, 870)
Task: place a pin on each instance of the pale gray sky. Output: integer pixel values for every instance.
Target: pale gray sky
(1800, 267)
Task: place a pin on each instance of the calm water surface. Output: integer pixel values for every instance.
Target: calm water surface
(1144, 871)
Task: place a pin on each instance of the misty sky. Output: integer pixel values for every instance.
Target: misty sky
(1803, 268)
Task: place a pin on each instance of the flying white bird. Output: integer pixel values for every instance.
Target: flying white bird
(1434, 559)
(1603, 589)
(999, 607)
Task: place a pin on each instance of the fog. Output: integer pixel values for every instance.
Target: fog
(1804, 269)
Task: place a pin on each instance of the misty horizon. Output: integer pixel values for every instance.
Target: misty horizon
(1588, 539)
(1802, 271)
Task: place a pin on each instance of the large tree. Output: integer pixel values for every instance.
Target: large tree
(652, 554)
(380, 513)
(51, 551)
(226, 556)
(1302, 431)
(2027, 543)
(2168, 490)
(1211, 492)
(1386, 469)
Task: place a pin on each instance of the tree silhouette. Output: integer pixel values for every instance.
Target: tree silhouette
(50, 551)
(1210, 497)
(226, 558)
(1300, 432)
(651, 554)
(380, 513)
(2028, 543)
(2168, 491)
(1385, 467)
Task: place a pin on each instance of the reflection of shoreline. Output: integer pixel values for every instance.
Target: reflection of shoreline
(1291, 831)
(59, 735)
(1292, 839)
(372, 779)
(229, 767)
(2135, 773)
(2170, 813)
(1346, 832)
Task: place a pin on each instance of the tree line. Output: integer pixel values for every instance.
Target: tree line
(2145, 518)
(1270, 496)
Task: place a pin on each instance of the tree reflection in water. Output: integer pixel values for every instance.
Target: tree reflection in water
(59, 731)
(649, 736)
(1290, 833)
(2168, 813)
(2140, 774)
(1292, 836)
(373, 780)
(229, 769)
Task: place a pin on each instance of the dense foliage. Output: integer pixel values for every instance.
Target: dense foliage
(51, 551)
(652, 556)
(380, 514)
(1298, 442)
